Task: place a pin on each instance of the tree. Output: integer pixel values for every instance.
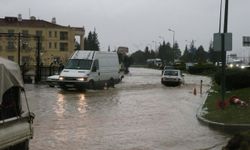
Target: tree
(165, 53)
(91, 42)
(214, 56)
(201, 55)
(138, 57)
(152, 54)
(177, 51)
(185, 56)
(147, 53)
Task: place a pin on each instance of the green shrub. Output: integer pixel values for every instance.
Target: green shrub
(235, 78)
(202, 69)
(180, 66)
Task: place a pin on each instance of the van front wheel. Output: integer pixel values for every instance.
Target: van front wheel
(91, 84)
(112, 83)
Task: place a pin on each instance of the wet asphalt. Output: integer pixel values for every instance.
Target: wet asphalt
(138, 114)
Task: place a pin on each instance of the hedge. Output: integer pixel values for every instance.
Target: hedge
(235, 78)
(202, 68)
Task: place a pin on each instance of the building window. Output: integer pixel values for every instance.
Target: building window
(50, 34)
(63, 46)
(63, 35)
(50, 45)
(11, 58)
(55, 45)
(25, 39)
(39, 33)
(11, 45)
(11, 35)
(55, 33)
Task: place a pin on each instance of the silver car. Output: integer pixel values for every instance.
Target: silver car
(172, 77)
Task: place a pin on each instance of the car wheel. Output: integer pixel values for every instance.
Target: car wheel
(111, 83)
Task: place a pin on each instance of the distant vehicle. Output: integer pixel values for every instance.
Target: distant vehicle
(235, 63)
(172, 77)
(90, 70)
(15, 124)
(52, 81)
(245, 67)
(157, 62)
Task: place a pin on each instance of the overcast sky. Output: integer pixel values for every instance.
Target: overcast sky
(140, 23)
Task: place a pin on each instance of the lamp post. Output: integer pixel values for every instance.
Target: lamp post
(173, 41)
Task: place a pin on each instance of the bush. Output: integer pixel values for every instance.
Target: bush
(180, 66)
(235, 78)
(202, 69)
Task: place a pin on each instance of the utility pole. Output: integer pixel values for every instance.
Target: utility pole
(223, 54)
(38, 70)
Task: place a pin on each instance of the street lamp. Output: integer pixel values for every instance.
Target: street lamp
(173, 41)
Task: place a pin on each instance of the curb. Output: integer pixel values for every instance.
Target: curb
(217, 125)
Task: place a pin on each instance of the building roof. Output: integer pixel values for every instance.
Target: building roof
(36, 23)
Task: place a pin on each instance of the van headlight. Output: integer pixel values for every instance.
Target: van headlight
(61, 78)
(242, 67)
(82, 79)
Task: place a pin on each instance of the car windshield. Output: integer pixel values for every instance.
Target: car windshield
(171, 73)
(84, 64)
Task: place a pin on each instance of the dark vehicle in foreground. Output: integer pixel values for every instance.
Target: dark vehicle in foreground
(172, 77)
(15, 124)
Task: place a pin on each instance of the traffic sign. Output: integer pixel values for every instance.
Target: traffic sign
(218, 41)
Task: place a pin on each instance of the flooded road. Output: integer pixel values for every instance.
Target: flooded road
(138, 114)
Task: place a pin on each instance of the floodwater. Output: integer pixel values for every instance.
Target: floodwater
(138, 114)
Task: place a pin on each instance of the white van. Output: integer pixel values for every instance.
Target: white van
(90, 69)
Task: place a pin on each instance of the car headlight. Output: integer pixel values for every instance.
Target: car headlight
(231, 65)
(61, 78)
(82, 79)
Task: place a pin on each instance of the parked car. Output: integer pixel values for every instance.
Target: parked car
(15, 123)
(172, 77)
(52, 81)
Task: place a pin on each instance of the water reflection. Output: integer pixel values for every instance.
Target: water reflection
(59, 108)
(82, 106)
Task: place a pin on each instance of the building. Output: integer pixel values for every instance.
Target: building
(18, 42)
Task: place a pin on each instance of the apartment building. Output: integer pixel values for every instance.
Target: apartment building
(18, 40)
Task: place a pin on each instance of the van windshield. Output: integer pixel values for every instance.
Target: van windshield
(84, 64)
